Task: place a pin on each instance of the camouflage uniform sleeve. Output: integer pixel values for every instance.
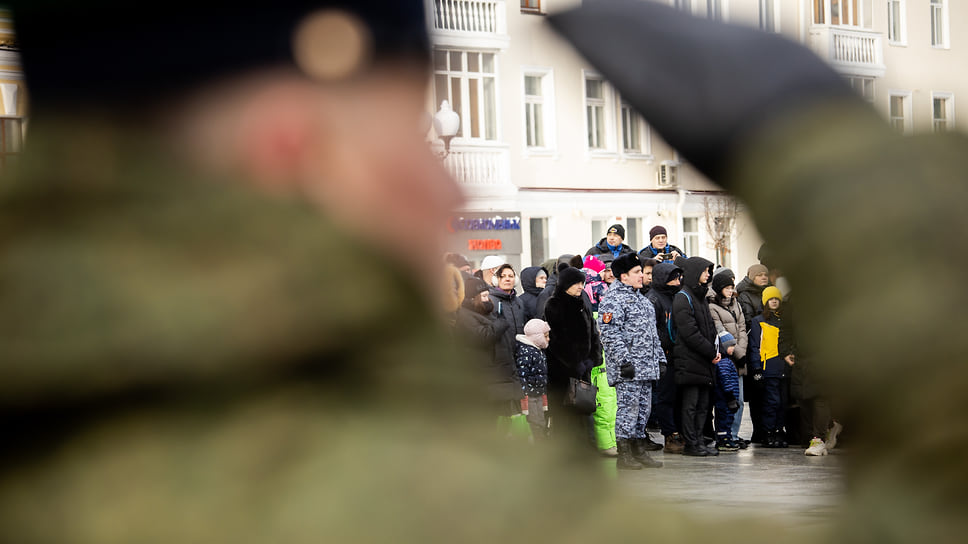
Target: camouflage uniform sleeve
(611, 319)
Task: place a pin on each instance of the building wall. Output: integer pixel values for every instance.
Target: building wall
(566, 183)
(575, 188)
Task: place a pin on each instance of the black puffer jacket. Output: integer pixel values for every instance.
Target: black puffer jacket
(601, 248)
(661, 297)
(750, 299)
(529, 299)
(695, 348)
(507, 307)
(480, 334)
(575, 347)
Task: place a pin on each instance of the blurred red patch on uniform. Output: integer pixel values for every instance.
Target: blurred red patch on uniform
(607, 317)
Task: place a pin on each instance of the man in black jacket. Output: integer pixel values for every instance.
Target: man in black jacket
(694, 353)
(666, 280)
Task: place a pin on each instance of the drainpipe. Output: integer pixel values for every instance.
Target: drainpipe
(680, 206)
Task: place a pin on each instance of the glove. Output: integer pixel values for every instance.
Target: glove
(732, 405)
(628, 371)
(758, 375)
(667, 64)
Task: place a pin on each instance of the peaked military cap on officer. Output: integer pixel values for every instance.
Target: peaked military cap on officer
(112, 52)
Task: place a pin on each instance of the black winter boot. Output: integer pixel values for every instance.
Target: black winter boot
(780, 439)
(649, 445)
(769, 441)
(626, 459)
(640, 451)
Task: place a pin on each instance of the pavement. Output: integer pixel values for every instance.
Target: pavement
(783, 485)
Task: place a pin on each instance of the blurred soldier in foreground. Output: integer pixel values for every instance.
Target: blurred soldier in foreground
(827, 182)
(178, 364)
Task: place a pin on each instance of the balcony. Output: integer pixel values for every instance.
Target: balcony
(481, 170)
(851, 51)
(480, 24)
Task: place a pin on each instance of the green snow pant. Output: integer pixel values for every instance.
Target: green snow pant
(604, 415)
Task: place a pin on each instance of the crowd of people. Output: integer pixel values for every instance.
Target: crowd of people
(673, 344)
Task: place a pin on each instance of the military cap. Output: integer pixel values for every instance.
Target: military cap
(118, 53)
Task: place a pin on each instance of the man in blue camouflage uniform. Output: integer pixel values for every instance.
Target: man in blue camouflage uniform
(632, 356)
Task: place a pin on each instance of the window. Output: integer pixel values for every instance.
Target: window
(690, 236)
(942, 112)
(768, 15)
(900, 111)
(630, 130)
(598, 229)
(896, 31)
(599, 113)
(864, 86)
(939, 23)
(11, 139)
(714, 10)
(842, 12)
(539, 109)
(636, 137)
(683, 5)
(632, 227)
(539, 240)
(595, 112)
(467, 80)
(530, 6)
(533, 113)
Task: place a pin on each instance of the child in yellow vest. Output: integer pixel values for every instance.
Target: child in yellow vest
(768, 367)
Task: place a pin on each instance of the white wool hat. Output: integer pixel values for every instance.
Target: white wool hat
(492, 261)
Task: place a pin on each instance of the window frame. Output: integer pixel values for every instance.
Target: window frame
(18, 142)
(544, 224)
(775, 22)
(690, 238)
(547, 101)
(465, 77)
(644, 133)
(707, 10)
(863, 80)
(823, 13)
(531, 9)
(949, 98)
(609, 130)
(907, 116)
(941, 8)
(901, 38)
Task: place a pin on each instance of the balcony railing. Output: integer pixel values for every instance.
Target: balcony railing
(466, 15)
(480, 168)
(851, 51)
(468, 23)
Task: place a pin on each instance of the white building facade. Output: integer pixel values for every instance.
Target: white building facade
(549, 155)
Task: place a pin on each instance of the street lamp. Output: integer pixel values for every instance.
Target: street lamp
(446, 124)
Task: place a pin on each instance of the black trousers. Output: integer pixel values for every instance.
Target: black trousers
(666, 403)
(695, 408)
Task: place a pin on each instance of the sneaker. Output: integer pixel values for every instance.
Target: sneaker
(609, 452)
(743, 444)
(831, 438)
(816, 448)
(727, 444)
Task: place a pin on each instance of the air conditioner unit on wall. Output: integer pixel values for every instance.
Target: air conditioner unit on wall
(668, 175)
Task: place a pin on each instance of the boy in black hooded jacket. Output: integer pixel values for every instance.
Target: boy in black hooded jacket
(694, 353)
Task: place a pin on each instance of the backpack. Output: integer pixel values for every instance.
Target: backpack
(670, 323)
